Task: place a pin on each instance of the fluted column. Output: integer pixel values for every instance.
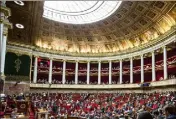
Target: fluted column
(121, 71)
(88, 72)
(142, 68)
(3, 52)
(35, 70)
(50, 71)
(4, 26)
(110, 72)
(165, 62)
(1, 40)
(63, 72)
(153, 67)
(76, 73)
(131, 70)
(99, 72)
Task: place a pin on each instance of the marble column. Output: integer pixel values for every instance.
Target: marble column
(121, 71)
(63, 72)
(142, 68)
(76, 72)
(3, 52)
(88, 72)
(4, 26)
(131, 70)
(99, 72)
(153, 66)
(1, 36)
(35, 70)
(165, 62)
(50, 71)
(110, 72)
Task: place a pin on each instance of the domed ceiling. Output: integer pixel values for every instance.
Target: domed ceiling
(133, 25)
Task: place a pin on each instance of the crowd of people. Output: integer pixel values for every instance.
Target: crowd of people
(104, 105)
(92, 82)
(109, 105)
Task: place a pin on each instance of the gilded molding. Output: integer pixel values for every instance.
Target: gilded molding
(19, 52)
(6, 23)
(166, 40)
(149, 44)
(5, 10)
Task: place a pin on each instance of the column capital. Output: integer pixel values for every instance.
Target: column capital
(36, 56)
(120, 59)
(109, 61)
(164, 46)
(5, 10)
(99, 61)
(153, 51)
(76, 61)
(142, 55)
(50, 58)
(130, 57)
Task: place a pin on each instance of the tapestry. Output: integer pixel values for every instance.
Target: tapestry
(17, 64)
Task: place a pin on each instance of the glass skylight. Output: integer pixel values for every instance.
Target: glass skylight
(79, 12)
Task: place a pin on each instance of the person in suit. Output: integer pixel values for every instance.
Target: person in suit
(144, 115)
(170, 111)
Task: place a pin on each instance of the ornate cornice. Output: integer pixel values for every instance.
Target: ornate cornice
(26, 52)
(156, 44)
(6, 10)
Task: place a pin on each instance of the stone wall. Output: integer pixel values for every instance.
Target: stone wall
(16, 88)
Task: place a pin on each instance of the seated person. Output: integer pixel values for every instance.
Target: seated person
(145, 115)
(14, 113)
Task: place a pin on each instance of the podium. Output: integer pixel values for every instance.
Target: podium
(22, 106)
(42, 113)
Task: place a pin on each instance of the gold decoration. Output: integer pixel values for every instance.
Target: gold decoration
(18, 63)
(22, 106)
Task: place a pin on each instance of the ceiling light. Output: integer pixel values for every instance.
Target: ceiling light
(20, 26)
(21, 3)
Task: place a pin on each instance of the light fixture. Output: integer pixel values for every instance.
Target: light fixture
(21, 3)
(20, 26)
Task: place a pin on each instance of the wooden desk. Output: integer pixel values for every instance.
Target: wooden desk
(22, 117)
(39, 114)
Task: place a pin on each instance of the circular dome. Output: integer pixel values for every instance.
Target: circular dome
(79, 12)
